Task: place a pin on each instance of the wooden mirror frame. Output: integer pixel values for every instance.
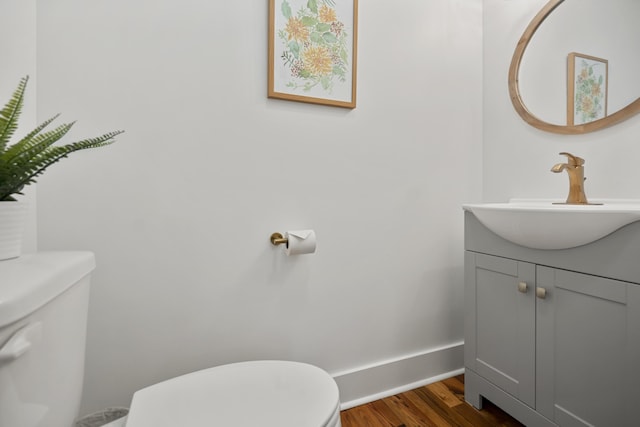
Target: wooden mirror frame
(514, 91)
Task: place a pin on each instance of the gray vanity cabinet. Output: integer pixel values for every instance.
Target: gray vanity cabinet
(548, 339)
(586, 327)
(502, 348)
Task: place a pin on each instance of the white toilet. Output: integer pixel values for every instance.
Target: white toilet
(43, 312)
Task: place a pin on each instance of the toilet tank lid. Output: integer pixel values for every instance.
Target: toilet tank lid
(31, 281)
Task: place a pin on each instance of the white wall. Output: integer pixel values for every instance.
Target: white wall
(518, 157)
(18, 53)
(180, 209)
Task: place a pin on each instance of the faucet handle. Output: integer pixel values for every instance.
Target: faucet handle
(573, 160)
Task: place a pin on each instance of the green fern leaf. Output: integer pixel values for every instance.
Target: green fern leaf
(22, 162)
(27, 141)
(26, 171)
(10, 114)
(26, 148)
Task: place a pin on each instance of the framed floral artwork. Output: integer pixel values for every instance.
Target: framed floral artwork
(312, 51)
(587, 85)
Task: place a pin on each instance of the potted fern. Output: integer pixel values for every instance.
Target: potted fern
(26, 159)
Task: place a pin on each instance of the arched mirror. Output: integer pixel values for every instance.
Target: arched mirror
(604, 34)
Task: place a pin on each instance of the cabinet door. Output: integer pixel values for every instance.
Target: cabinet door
(500, 323)
(588, 349)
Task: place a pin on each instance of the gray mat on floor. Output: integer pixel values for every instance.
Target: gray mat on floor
(101, 418)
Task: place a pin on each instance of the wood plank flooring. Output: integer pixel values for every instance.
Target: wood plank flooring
(439, 404)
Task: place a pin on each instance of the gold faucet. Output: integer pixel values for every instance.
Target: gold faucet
(575, 169)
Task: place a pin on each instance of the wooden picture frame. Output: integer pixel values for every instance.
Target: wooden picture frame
(587, 88)
(313, 51)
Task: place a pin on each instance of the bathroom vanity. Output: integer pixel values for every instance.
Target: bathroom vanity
(552, 336)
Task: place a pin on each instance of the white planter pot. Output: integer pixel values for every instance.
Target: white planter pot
(12, 219)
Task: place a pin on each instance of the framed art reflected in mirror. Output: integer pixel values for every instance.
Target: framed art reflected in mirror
(587, 87)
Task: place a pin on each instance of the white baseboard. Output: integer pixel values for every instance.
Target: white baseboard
(376, 381)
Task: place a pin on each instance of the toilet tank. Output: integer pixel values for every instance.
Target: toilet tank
(43, 317)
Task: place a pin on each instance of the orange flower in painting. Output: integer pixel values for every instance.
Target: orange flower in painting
(317, 60)
(587, 104)
(584, 74)
(297, 30)
(326, 14)
(595, 90)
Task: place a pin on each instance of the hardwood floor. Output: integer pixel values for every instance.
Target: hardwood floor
(439, 404)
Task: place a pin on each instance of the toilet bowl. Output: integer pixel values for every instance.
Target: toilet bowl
(268, 393)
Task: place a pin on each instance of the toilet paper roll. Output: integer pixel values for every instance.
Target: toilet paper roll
(300, 242)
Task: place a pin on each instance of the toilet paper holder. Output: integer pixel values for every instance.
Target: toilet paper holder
(278, 239)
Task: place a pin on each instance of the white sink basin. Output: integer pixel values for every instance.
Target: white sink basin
(541, 224)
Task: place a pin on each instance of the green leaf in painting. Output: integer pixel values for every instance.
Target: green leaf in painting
(322, 27)
(295, 48)
(286, 9)
(344, 56)
(316, 38)
(326, 82)
(313, 6)
(309, 21)
(286, 57)
(305, 74)
(329, 37)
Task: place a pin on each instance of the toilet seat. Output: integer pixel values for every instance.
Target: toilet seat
(266, 393)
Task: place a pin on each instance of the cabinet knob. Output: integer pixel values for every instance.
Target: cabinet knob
(522, 287)
(541, 293)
